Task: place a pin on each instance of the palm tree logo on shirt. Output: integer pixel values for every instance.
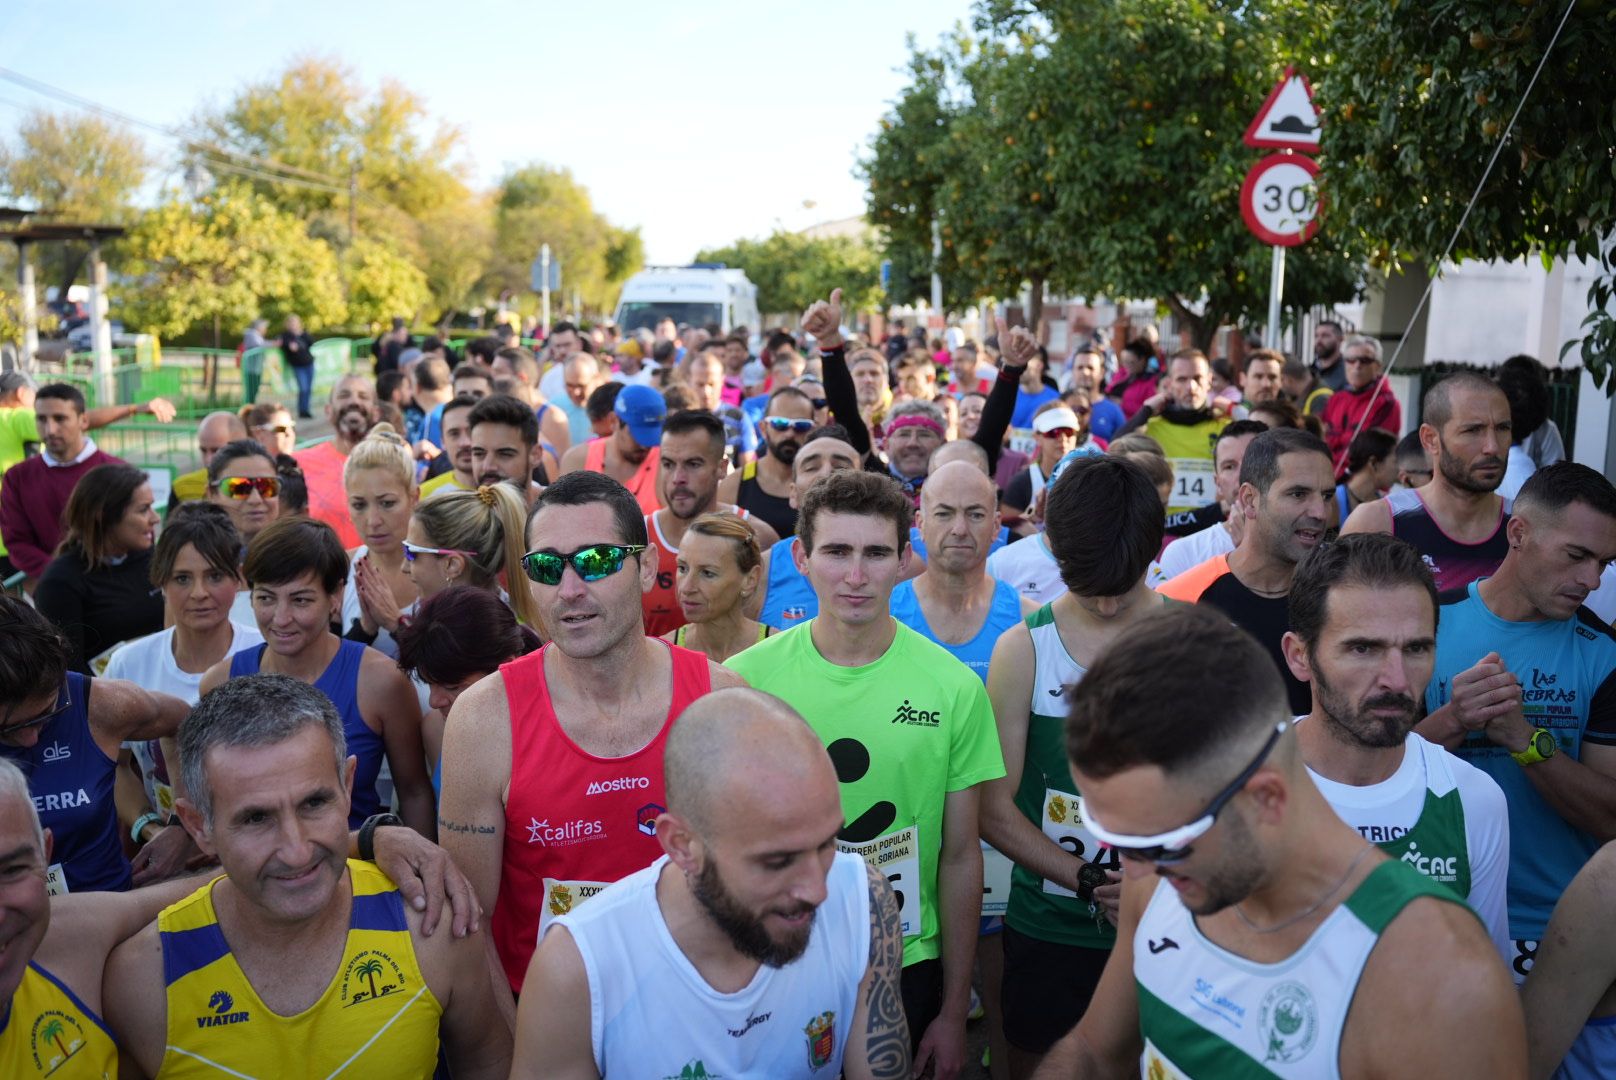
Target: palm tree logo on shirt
(53, 1028)
(360, 979)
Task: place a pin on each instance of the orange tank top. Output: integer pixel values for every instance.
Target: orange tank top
(643, 484)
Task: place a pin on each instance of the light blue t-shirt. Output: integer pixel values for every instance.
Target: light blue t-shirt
(1567, 671)
(1003, 613)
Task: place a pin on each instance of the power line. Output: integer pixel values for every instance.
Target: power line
(223, 158)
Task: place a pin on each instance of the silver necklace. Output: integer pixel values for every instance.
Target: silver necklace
(1299, 916)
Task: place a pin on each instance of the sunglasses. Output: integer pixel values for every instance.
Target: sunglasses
(591, 563)
(412, 550)
(64, 701)
(819, 402)
(1177, 845)
(242, 487)
(781, 423)
(278, 429)
(1061, 433)
(1361, 360)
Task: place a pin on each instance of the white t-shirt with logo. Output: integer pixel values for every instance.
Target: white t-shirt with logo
(1028, 566)
(1384, 811)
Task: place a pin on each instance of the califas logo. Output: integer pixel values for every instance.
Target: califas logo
(567, 832)
(622, 783)
(1436, 867)
(821, 1032)
(645, 818)
(1288, 1021)
(908, 714)
(222, 1005)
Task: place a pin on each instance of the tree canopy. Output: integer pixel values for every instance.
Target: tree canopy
(791, 271)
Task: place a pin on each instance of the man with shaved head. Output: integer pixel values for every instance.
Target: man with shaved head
(752, 947)
(1458, 521)
(954, 602)
(216, 429)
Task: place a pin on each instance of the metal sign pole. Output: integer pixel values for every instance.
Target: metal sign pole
(1276, 290)
(544, 274)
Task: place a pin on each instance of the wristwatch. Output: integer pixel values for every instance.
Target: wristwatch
(1540, 747)
(367, 834)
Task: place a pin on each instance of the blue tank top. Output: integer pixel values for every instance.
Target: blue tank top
(71, 779)
(340, 682)
(1567, 670)
(918, 545)
(788, 599)
(1003, 613)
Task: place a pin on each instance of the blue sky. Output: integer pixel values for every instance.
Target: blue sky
(700, 122)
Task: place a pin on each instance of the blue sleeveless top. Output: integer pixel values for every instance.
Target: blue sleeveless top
(1003, 613)
(340, 682)
(71, 781)
(788, 599)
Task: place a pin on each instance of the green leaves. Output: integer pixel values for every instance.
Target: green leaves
(791, 271)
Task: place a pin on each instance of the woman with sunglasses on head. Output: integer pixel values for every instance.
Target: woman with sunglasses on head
(379, 478)
(66, 739)
(458, 635)
(296, 570)
(471, 538)
(196, 565)
(719, 566)
(271, 425)
(96, 589)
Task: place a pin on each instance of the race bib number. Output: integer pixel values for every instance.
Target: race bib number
(561, 897)
(1193, 482)
(995, 881)
(1024, 441)
(897, 855)
(55, 880)
(1063, 825)
(1521, 965)
(1155, 1065)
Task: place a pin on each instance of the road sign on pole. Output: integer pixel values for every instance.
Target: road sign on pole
(1280, 199)
(1287, 120)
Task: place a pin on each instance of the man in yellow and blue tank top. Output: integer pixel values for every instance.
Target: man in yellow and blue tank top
(298, 961)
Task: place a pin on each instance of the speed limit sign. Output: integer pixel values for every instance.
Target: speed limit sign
(1280, 199)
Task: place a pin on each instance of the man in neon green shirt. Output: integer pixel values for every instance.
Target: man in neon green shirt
(910, 731)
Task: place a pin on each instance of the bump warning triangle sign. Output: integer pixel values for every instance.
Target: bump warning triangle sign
(1287, 120)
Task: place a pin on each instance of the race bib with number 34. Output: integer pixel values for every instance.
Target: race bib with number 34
(1063, 825)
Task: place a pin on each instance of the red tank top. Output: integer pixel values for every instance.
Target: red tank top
(642, 485)
(574, 822)
(661, 604)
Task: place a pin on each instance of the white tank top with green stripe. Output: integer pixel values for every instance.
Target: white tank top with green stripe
(1205, 1012)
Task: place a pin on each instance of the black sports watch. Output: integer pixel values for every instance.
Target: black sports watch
(367, 834)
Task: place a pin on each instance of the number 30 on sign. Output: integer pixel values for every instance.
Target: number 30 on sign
(1280, 199)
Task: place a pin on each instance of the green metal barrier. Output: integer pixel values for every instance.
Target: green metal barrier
(148, 443)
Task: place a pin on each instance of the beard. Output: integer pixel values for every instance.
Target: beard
(784, 451)
(744, 929)
(1239, 871)
(354, 421)
(1459, 475)
(1354, 723)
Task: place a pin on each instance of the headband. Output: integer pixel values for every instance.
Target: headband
(915, 420)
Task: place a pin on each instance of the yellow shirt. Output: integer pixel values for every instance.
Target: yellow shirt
(441, 482)
(1188, 448)
(48, 1031)
(377, 1017)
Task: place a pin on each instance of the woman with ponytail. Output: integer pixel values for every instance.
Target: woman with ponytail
(472, 538)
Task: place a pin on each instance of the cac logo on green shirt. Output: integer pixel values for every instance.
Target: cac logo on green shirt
(909, 714)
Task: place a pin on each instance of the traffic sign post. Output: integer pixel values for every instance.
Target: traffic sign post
(1279, 199)
(545, 277)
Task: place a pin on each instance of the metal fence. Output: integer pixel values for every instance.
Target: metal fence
(1564, 387)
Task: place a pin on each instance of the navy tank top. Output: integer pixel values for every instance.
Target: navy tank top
(70, 779)
(340, 683)
(1454, 565)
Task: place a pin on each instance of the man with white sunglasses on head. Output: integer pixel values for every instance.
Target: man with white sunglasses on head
(1253, 918)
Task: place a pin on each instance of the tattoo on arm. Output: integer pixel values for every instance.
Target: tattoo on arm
(886, 1036)
(463, 828)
